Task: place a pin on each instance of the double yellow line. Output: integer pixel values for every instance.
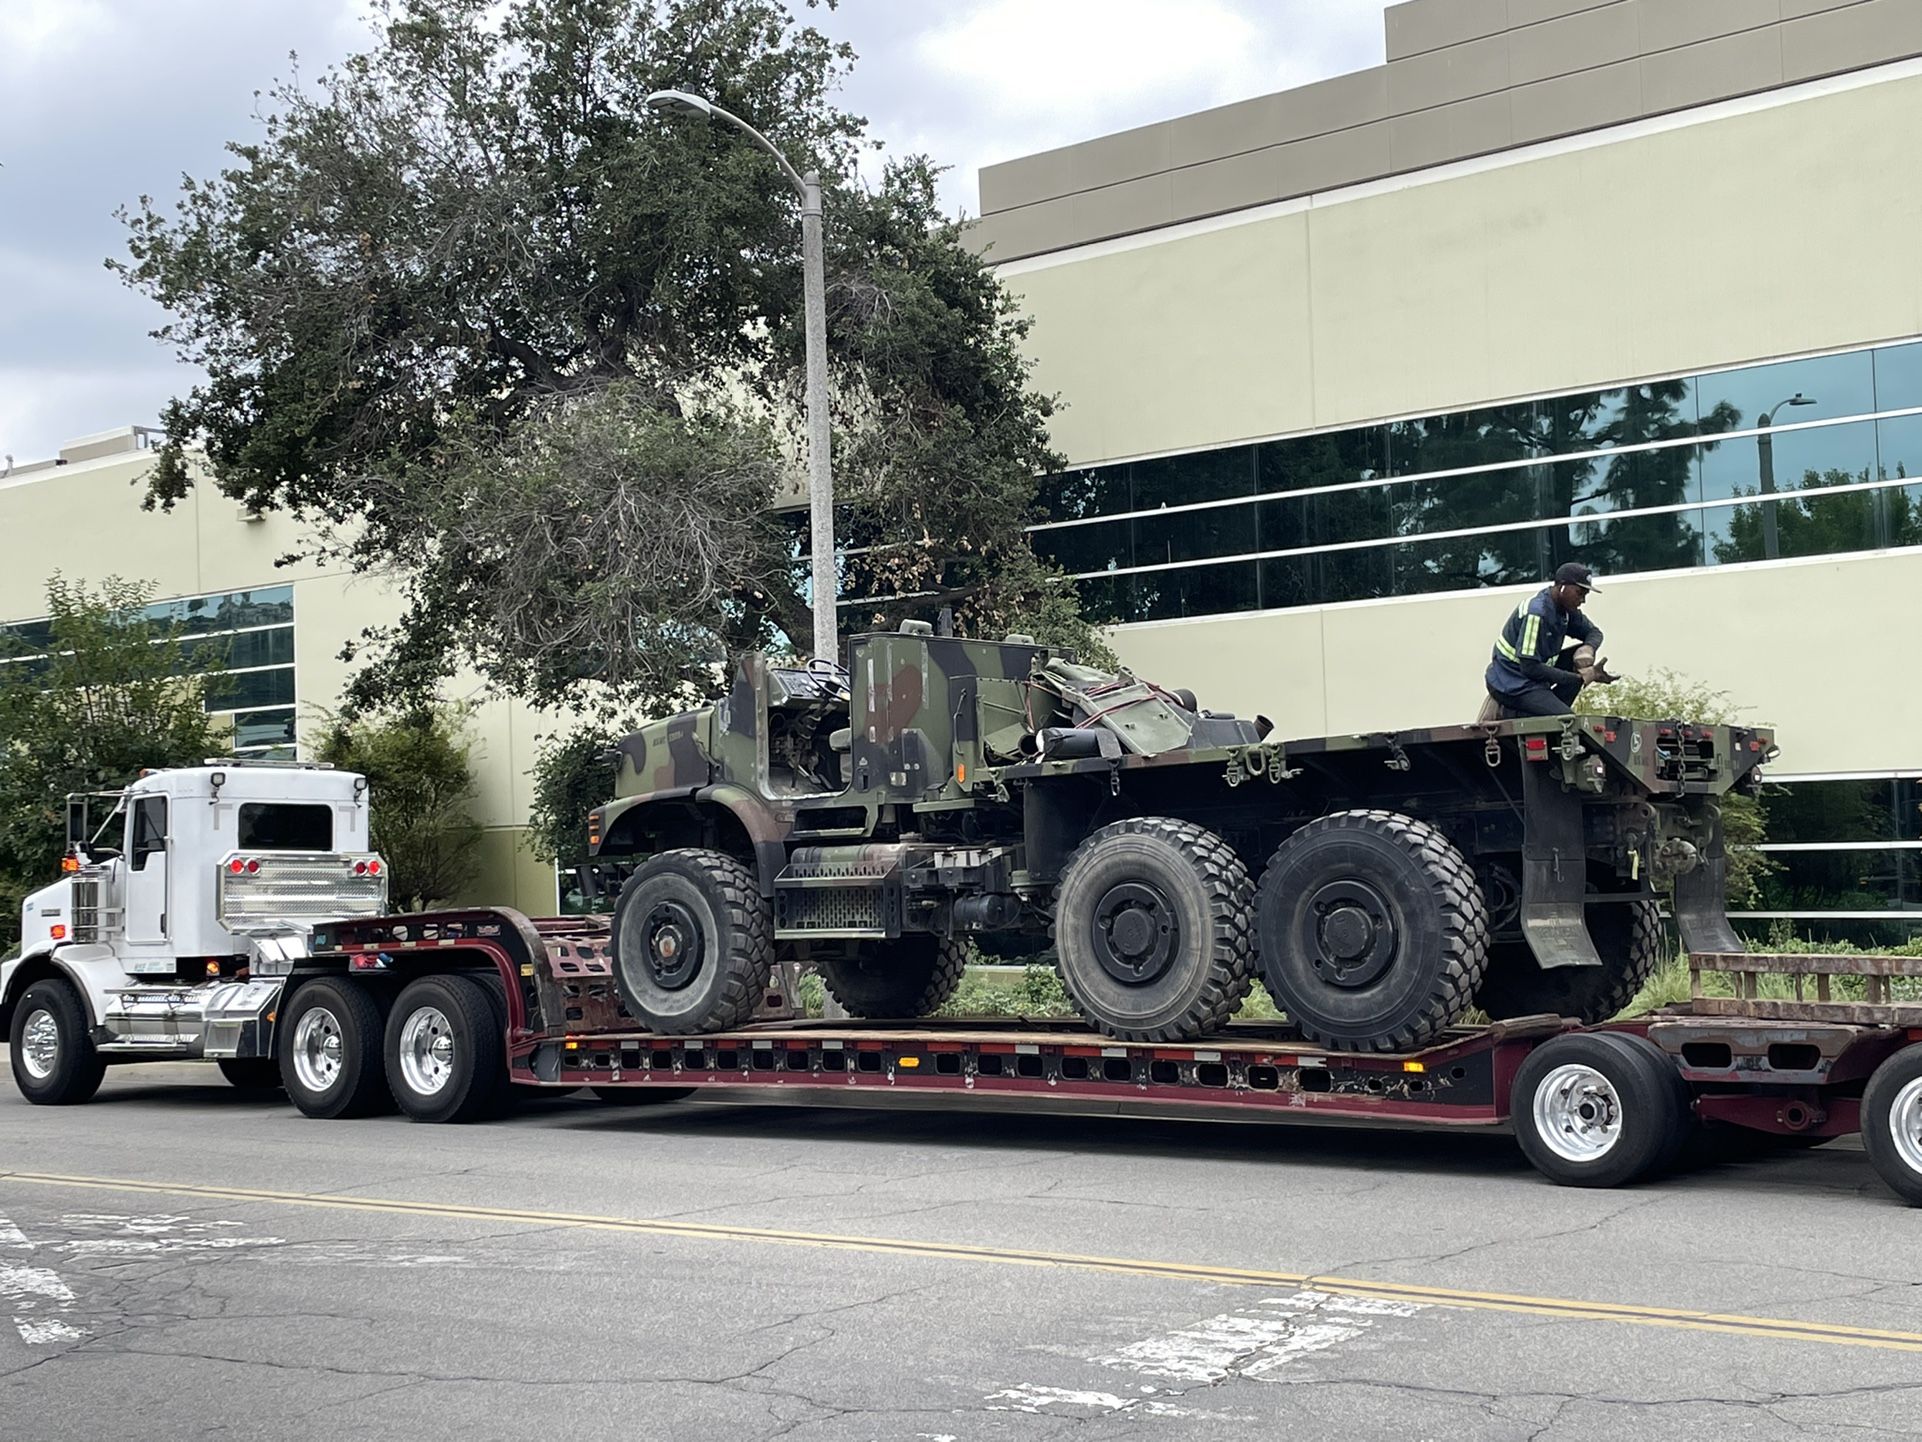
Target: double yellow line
(1563, 1308)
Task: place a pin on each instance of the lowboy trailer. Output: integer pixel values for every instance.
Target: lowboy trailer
(513, 1003)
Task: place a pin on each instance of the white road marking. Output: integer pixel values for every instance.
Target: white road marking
(1257, 1340)
(1060, 1400)
(30, 1292)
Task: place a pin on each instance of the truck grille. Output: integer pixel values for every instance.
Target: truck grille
(300, 887)
(831, 910)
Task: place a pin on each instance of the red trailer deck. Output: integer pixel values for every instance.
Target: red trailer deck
(1596, 1106)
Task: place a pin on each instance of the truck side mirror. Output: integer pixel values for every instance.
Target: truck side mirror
(76, 822)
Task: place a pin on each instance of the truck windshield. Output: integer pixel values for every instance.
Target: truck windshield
(286, 826)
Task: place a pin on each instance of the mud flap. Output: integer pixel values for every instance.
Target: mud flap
(1701, 903)
(1554, 872)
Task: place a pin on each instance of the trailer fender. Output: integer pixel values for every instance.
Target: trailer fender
(1554, 873)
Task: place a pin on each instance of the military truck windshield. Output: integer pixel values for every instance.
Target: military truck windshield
(286, 826)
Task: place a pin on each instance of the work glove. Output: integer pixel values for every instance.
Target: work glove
(1597, 674)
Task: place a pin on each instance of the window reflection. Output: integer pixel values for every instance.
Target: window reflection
(1840, 385)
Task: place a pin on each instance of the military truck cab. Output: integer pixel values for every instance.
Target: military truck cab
(182, 899)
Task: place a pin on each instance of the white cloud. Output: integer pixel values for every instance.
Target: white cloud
(36, 32)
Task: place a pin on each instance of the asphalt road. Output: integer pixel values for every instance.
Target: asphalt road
(178, 1260)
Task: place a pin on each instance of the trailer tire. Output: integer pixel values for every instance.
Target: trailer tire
(446, 1059)
(1153, 930)
(1892, 1123)
(330, 1050)
(250, 1073)
(905, 978)
(1600, 1109)
(693, 942)
(1371, 930)
(54, 1060)
(1628, 937)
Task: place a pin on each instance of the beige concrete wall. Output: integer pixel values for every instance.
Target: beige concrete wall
(1712, 244)
(1794, 642)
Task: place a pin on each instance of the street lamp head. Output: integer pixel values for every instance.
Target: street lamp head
(679, 102)
(1798, 399)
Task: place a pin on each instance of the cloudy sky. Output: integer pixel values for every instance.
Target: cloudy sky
(102, 101)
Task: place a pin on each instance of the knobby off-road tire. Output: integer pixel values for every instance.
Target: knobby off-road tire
(1628, 938)
(906, 978)
(1600, 1109)
(693, 942)
(54, 1061)
(251, 1073)
(329, 1046)
(445, 1050)
(1153, 921)
(1371, 931)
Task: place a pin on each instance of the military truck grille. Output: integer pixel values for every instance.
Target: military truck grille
(298, 887)
(832, 909)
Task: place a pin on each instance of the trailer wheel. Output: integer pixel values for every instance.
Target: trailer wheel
(251, 1073)
(54, 1061)
(906, 978)
(446, 1056)
(1152, 930)
(1627, 936)
(1600, 1109)
(330, 1050)
(693, 942)
(1892, 1123)
(1371, 930)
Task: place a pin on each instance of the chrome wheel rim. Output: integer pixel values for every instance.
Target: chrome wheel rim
(40, 1044)
(427, 1051)
(1578, 1115)
(317, 1049)
(1905, 1125)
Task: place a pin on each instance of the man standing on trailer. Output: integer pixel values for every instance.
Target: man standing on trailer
(1529, 675)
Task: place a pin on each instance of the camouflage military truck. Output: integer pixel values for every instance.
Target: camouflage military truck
(869, 821)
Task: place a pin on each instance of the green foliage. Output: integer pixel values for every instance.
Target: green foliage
(1665, 695)
(420, 781)
(534, 353)
(108, 700)
(572, 775)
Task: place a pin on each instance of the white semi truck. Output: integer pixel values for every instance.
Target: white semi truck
(183, 902)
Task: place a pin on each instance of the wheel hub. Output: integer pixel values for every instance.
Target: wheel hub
(1352, 937)
(40, 1044)
(1577, 1113)
(673, 945)
(1135, 933)
(1905, 1124)
(427, 1051)
(317, 1050)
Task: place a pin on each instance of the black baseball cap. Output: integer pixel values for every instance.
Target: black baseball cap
(1574, 573)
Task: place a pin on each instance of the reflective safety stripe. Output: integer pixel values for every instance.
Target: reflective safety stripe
(1531, 635)
(1507, 651)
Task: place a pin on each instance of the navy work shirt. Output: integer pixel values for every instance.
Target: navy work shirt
(1530, 640)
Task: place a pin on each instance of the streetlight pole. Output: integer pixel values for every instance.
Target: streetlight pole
(814, 286)
(1765, 451)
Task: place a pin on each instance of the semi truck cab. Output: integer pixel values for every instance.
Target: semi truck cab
(182, 901)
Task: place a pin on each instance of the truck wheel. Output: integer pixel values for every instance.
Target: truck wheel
(446, 1055)
(906, 978)
(1371, 931)
(251, 1073)
(1892, 1123)
(693, 942)
(54, 1061)
(1628, 938)
(1152, 924)
(1600, 1109)
(330, 1050)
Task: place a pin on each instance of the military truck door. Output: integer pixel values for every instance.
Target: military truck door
(147, 871)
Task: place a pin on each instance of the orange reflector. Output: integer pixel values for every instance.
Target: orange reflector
(57, 931)
(909, 1063)
(213, 968)
(961, 773)
(69, 863)
(1413, 1066)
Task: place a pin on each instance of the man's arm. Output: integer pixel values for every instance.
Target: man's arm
(1533, 664)
(1585, 631)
